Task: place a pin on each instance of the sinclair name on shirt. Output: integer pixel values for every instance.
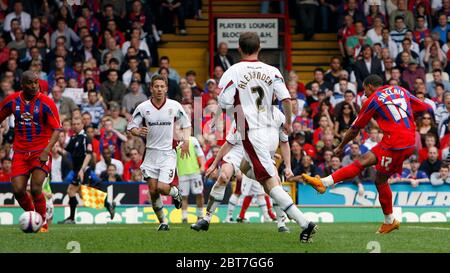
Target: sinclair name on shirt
(390, 91)
(254, 75)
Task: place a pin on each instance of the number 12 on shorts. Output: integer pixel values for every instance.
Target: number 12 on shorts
(385, 161)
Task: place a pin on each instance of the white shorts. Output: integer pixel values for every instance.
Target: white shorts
(159, 165)
(257, 146)
(190, 183)
(234, 156)
(251, 187)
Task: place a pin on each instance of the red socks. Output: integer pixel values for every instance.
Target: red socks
(25, 202)
(348, 172)
(40, 205)
(385, 197)
(269, 207)
(245, 205)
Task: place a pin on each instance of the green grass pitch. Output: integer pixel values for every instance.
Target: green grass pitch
(227, 238)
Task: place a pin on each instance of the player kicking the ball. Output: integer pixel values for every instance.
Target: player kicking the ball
(393, 108)
(36, 131)
(247, 90)
(159, 115)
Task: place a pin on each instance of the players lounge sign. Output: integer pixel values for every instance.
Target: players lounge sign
(228, 30)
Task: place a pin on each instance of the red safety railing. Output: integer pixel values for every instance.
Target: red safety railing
(286, 33)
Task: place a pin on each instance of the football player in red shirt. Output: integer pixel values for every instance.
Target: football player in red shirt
(36, 130)
(392, 107)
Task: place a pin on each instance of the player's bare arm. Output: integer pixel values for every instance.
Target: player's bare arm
(45, 153)
(226, 147)
(287, 109)
(185, 146)
(142, 131)
(286, 155)
(349, 135)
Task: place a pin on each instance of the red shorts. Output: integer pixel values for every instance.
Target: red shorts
(25, 163)
(391, 161)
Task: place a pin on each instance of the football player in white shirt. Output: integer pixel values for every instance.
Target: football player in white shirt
(159, 114)
(247, 89)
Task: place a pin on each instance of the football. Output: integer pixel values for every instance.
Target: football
(30, 222)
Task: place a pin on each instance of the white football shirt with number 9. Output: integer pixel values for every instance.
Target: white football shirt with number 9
(252, 84)
(160, 122)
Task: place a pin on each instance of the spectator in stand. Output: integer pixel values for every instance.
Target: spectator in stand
(433, 52)
(114, 49)
(346, 31)
(119, 122)
(352, 9)
(332, 75)
(442, 28)
(426, 126)
(4, 51)
(344, 121)
(432, 163)
(132, 99)
(196, 89)
(95, 107)
(412, 72)
(174, 91)
(61, 163)
(63, 30)
(292, 76)
(373, 14)
(335, 164)
(443, 111)
(88, 50)
(24, 18)
(306, 15)
(376, 32)
(173, 74)
(64, 104)
(421, 30)
(307, 166)
(398, 30)
(111, 138)
(106, 160)
(412, 175)
(170, 8)
(357, 41)
(441, 177)
(132, 165)
(133, 64)
(110, 174)
(19, 41)
(388, 44)
(61, 70)
(366, 66)
(406, 47)
(431, 140)
(320, 79)
(396, 75)
(218, 72)
(222, 58)
(437, 79)
(113, 89)
(5, 171)
(325, 123)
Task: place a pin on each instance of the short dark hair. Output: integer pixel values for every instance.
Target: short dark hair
(319, 69)
(164, 58)
(374, 80)
(439, 85)
(437, 70)
(157, 77)
(398, 17)
(348, 91)
(249, 42)
(191, 72)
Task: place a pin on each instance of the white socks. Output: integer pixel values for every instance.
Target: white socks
(232, 204)
(327, 181)
(158, 209)
(215, 198)
(389, 219)
(174, 191)
(184, 214)
(200, 212)
(283, 199)
(281, 216)
(263, 206)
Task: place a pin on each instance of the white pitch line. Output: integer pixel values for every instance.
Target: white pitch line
(419, 227)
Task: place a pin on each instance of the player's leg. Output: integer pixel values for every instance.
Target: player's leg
(196, 183)
(385, 198)
(257, 152)
(343, 174)
(247, 185)
(157, 203)
(234, 199)
(185, 188)
(261, 200)
(280, 214)
(167, 167)
(38, 177)
(215, 196)
(269, 207)
(19, 186)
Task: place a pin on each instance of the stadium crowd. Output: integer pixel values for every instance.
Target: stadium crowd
(95, 60)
